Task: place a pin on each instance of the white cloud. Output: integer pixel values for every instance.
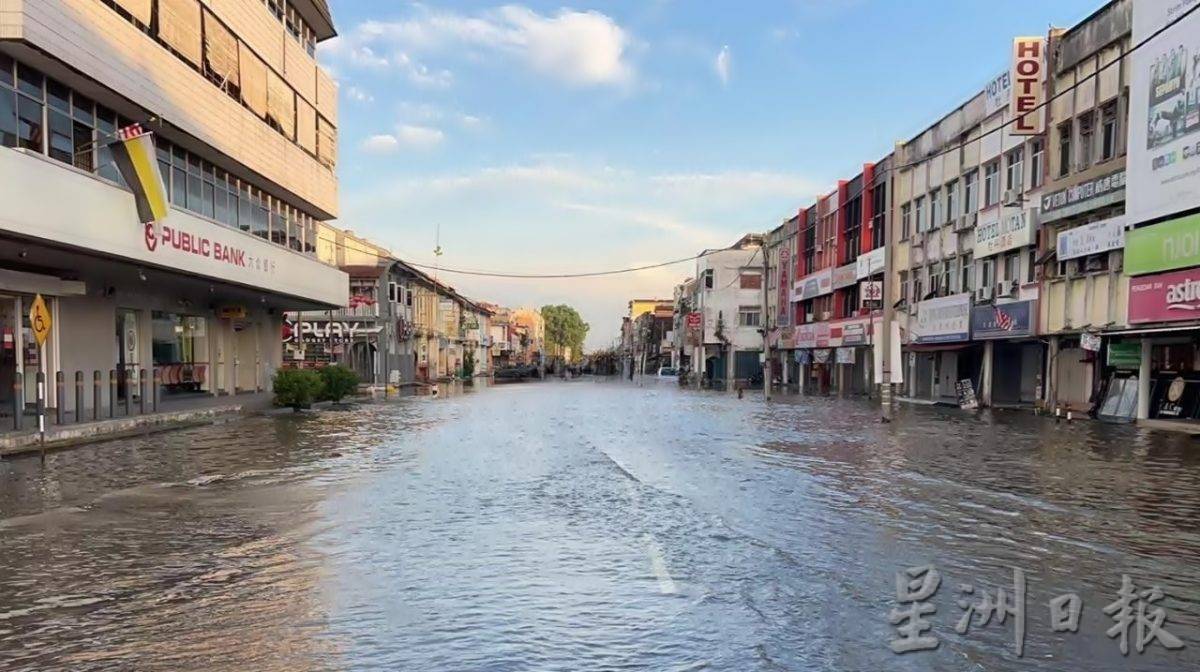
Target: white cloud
(743, 185)
(582, 48)
(723, 64)
(406, 136)
(359, 95)
(421, 75)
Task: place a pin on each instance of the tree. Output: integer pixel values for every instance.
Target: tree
(564, 329)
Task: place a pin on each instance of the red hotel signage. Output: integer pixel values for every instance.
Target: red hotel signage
(1028, 77)
(1165, 297)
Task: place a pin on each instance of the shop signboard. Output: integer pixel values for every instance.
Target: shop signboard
(1027, 86)
(845, 276)
(821, 356)
(1163, 247)
(1008, 232)
(1089, 342)
(869, 264)
(997, 93)
(966, 394)
(783, 310)
(854, 333)
(823, 334)
(1095, 238)
(1164, 112)
(803, 357)
(1166, 297)
(1006, 320)
(806, 336)
(814, 285)
(946, 319)
(870, 293)
(1097, 192)
(1124, 355)
(326, 331)
(845, 355)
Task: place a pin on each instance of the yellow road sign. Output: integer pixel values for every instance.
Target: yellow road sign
(39, 318)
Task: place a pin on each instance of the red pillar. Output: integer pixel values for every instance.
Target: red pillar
(868, 208)
(841, 249)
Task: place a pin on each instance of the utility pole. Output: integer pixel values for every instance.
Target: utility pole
(765, 320)
(889, 310)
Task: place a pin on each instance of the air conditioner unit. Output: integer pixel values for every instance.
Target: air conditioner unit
(1003, 288)
(808, 318)
(826, 315)
(820, 248)
(1010, 197)
(963, 223)
(983, 294)
(918, 239)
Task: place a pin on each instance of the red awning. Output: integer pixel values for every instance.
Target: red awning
(936, 347)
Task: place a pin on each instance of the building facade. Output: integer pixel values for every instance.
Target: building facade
(244, 122)
(729, 307)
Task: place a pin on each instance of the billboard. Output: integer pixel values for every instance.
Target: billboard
(1027, 83)
(1164, 111)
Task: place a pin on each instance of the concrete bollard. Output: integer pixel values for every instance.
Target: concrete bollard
(97, 395)
(112, 393)
(79, 396)
(19, 401)
(124, 374)
(156, 386)
(143, 383)
(60, 398)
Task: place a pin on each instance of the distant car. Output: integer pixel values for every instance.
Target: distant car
(667, 374)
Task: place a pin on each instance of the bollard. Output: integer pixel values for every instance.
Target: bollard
(156, 386)
(19, 401)
(41, 402)
(142, 384)
(79, 396)
(60, 398)
(112, 393)
(124, 374)
(97, 394)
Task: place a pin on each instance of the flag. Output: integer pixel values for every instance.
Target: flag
(133, 152)
(1003, 321)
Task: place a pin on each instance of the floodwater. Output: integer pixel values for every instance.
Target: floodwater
(593, 525)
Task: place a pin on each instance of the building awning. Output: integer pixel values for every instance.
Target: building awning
(364, 271)
(1152, 330)
(936, 347)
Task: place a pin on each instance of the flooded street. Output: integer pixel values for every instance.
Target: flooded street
(592, 526)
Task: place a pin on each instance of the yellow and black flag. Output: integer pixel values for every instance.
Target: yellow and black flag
(133, 152)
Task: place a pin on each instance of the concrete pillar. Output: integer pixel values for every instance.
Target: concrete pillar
(730, 358)
(1051, 375)
(783, 362)
(985, 378)
(1143, 390)
(841, 379)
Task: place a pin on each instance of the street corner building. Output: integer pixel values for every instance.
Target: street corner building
(242, 123)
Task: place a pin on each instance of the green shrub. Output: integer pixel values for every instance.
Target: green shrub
(468, 366)
(297, 388)
(339, 382)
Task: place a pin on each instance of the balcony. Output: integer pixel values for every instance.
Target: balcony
(368, 311)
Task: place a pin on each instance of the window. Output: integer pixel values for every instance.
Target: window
(967, 264)
(918, 284)
(83, 125)
(1014, 179)
(1087, 123)
(1064, 149)
(29, 82)
(1036, 156)
(971, 192)
(905, 221)
(952, 201)
(991, 184)
(8, 117)
(708, 278)
(951, 283)
(935, 208)
(106, 126)
(29, 124)
(749, 316)
(919, 210)
(987, 273)
(935, 278)
(904, 286)
(850, 301)
(1108, 131)
(879, 215)
(1031, 262)
(1012, 267)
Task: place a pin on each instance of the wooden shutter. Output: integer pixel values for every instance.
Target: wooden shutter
(254, 80)
(326, 143)
(306, 126)
(179, 26)
(139, 9)
(281, 104)
(220, 51)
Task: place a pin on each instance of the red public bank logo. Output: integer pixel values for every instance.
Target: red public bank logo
(193, 244)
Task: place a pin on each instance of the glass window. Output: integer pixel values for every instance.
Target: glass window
(61, 137)
(83, 109)
(310, 236)
(29, 122)
(1108, 131)
(1086, 126)
(180, 345)
(968, 272)
(245, 208)
(58, 96)
(7, 70)
(8, 118)
(260, 224)
(952, 276)
(905, 221)
(1032, 265)
(1064, 149)
(1015, 171)
(220, 203)
(952, 201)
(935, 208)
(178, 186)
(1036, 155)
(85, 145)
(987, 272)
(749, 316)
(904, 286)
(279, 224)
(194, 193)
(991, 183)
(1012, 267)
(105, 128)
(29, 81)
(207, 200)
(919, 210)
(971, 192)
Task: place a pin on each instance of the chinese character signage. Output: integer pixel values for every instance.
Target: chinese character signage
(1087, 195)
(1008, 232)
(1095, 238)
(945, 319)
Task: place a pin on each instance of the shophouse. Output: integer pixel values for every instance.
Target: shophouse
(244, 123)
(1085, 294)
(728, 308)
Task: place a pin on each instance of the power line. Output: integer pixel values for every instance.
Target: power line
(533, 276)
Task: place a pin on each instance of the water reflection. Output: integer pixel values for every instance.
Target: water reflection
(584, 525)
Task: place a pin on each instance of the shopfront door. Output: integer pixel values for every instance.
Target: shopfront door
(10, 351)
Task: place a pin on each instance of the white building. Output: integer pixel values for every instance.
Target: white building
(729, 295)
(244, 121)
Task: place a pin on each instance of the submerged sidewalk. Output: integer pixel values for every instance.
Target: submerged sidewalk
(171, 414)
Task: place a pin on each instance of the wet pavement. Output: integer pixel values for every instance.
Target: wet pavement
(593, 526)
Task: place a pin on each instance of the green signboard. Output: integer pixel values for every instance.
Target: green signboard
(1163, 247)
(1125, 355)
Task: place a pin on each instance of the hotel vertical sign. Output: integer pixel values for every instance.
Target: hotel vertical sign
(1028, 78)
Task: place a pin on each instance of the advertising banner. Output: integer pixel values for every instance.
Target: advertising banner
(814, 285)
(1088, 195)
(1124, 355)
(1103, 236)
(870, 293)
(844, 276)
(854, 334)
(869, 264)
(1164, 111)
(1167, 297)
(1007, 320)
(845, 355)
(944, 320)
(1028, 78)
(1163, 247)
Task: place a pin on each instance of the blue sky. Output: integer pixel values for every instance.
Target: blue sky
(545, 138)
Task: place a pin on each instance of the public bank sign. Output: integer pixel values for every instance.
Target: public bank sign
(1163, 247)
(945, 319)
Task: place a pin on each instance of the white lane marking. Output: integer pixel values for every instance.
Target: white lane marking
(658, 565)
